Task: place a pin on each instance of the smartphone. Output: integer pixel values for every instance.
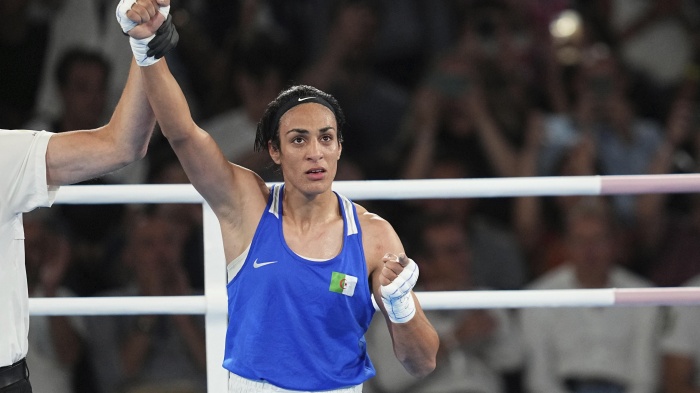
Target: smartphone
(449, 84)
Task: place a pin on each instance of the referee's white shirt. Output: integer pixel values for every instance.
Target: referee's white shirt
(23, 188)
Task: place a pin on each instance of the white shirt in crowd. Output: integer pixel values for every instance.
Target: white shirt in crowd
(478, 367)
(234, 132)
(616, 344)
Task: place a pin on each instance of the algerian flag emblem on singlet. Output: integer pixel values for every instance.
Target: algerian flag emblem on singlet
(343, 283)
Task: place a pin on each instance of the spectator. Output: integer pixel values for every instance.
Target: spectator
(82, 77)
(591, 349)
(184, 219)
(373, 105)
(625, 142)
(458, 111)
(498, 261)
(259, 73)
(669, 224)
(479, 349)
(150, 353)
(539, 221)
(96, 33)
(450, 116)
(56, 343)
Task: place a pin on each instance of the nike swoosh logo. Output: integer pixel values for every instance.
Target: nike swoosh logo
(305, 98)
(261, 264)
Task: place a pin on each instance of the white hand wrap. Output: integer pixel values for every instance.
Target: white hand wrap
(138, 46)
(397, 296)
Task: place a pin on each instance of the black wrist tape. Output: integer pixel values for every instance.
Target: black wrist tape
(165, 40)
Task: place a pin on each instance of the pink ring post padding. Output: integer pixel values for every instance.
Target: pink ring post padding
(657, 296)
(650, 184)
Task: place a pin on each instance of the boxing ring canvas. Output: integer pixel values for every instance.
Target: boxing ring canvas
(213, 304)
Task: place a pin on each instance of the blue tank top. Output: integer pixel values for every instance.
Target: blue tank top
(295, 323)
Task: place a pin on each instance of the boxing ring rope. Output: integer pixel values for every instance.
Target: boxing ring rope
(434, 300)
(213, 304)
(413, 189)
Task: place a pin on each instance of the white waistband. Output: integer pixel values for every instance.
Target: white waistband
(237, 384)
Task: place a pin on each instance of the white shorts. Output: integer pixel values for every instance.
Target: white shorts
(237, 384)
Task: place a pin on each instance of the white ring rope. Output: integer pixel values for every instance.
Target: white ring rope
(437, 300)
(411, 189)
(118, 305)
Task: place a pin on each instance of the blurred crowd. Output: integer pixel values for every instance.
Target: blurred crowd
(430, 89)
